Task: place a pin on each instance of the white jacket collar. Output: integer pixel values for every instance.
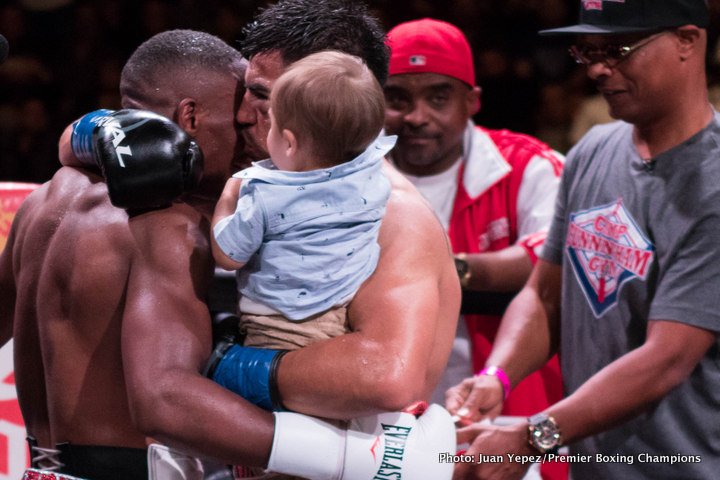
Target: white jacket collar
(484, 164)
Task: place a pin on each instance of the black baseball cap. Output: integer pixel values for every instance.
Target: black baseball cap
(605, 17)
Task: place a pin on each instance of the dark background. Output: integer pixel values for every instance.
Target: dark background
(66, 57)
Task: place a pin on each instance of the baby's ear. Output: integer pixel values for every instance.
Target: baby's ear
(291, 144)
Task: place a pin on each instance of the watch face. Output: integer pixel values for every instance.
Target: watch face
(462, 267)
(545, 438)
(544, 432)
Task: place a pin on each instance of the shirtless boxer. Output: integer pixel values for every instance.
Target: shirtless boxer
(111, 289)
(88, 295)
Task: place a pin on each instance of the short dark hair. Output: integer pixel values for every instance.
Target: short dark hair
(298, 28)
(151, 73)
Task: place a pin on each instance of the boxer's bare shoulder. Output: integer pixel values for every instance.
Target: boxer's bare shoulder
(410, 216)
(86, 272)
(68, 269)
(417, 281)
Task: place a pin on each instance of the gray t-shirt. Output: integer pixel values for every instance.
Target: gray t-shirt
(639, 242)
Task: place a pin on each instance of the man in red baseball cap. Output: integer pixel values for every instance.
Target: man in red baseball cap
(494, 193)
(627, 284)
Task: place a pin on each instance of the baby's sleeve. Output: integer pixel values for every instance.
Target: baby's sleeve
(240, 235)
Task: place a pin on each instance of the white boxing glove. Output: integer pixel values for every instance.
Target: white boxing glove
(394, 445)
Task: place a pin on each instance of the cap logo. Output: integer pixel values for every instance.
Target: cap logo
(597, 4)
(592, 4)
(417, 60)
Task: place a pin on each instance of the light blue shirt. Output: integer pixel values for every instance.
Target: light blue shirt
(309, 239)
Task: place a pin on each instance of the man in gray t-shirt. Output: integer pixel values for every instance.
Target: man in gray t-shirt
(628, 287)
(640, 241)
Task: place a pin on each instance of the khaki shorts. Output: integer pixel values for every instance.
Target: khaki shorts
(277, 332)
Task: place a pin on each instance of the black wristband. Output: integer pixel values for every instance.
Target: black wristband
(275, 398)
(217, 354)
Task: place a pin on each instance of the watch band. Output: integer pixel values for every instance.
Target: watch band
(463, 269)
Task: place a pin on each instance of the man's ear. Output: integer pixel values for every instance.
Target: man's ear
(473, 100)
(186, 114)
(689, 40)
(291, 142)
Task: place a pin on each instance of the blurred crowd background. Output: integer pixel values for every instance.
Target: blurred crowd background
(66, 57)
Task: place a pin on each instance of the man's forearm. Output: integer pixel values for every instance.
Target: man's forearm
(348, 377)
(506, 270)
(194, 424)
(634, 382)
(390, 359)
(528, 333)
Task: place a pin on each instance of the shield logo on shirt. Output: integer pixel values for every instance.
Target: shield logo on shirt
(606, 248)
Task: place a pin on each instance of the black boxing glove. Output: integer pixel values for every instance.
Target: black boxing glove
(147, 160)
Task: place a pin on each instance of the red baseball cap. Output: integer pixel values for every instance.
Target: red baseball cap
(431, 46)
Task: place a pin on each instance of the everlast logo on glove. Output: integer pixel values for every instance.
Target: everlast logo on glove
(163, 163)
(118, 135)
(384, 446)
(395, 440)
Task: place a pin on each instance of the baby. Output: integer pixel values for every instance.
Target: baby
(301, 227)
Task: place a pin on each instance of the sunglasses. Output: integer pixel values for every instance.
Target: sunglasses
(610, 55)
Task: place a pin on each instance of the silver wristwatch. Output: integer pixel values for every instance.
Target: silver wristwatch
(544, 433)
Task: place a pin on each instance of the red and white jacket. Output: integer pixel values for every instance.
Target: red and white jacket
(506, 193)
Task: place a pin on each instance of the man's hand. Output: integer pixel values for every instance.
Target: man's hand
(508, 442)
(475, 398)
